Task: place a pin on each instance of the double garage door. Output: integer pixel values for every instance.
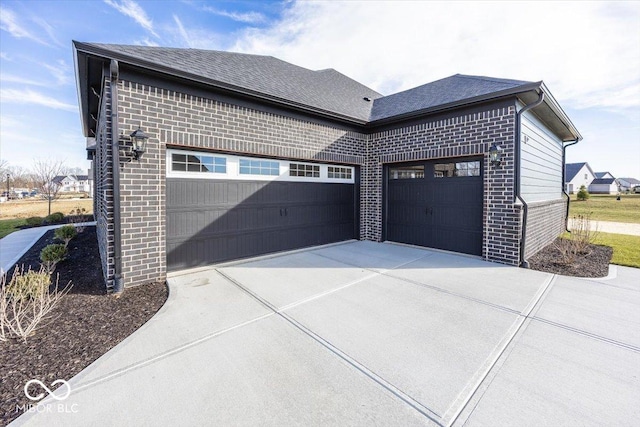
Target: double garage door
(222, 208)
(436, 204)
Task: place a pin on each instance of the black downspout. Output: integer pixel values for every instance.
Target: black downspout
(115, 153)
(525, 206)
(564, 184)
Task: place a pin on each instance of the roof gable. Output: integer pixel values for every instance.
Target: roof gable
(572, 169)
(441, 92)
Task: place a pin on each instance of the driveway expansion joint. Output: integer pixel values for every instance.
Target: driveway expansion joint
(406, 398)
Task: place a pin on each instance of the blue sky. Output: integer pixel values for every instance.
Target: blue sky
(588, 54)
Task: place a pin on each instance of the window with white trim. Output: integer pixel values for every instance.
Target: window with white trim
(198, 163)
(259, 167)
(338, 172)
(299, 169)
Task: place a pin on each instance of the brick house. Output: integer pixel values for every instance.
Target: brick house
(249, 155)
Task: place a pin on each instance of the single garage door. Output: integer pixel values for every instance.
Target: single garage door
(436, 204)
(222, 207)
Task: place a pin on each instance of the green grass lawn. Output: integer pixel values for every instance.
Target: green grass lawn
(607, 208)
(8, 226)
(626, 249)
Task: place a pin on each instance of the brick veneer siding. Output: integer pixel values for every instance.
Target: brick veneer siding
(545, 222)
(103, 192)
(464, 135)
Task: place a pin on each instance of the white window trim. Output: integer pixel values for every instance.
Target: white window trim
(233, 169)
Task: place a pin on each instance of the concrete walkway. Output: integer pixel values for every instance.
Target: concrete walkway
(16, 244)
(367, 333)
(613, 227)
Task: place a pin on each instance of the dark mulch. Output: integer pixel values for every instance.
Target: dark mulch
(593, 264)
(87, 323)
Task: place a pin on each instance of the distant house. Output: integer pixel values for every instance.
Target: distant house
(577, 175)
(604, 175)
(628, 183)
(603, 186)
(73, 183)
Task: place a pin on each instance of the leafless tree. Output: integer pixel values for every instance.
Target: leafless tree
(44, 172)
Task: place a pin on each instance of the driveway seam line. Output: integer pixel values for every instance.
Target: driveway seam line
(385, 272)
(165, 354)
(588, 334)
(419, 407)
(521, 320)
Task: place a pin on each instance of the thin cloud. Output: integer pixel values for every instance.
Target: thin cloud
(29, 96)
(244, 17)
(49, 30)
(8, 78)
(60, 71)
(9, 22)
(181, 31)
(194, 37)
(133, 10)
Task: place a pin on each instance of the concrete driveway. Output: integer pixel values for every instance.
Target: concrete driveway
(367, 333)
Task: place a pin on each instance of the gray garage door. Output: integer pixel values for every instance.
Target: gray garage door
(436, 204)
(210, 221)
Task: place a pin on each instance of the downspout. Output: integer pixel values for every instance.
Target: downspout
(564, 184)
(115, 152)
(525, 206)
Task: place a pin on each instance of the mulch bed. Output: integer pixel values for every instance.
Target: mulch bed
(593, 264)
(86, 324)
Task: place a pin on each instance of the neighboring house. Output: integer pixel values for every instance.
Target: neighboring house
(603, 186)
(603, 175)
(628, 184)
(577, 175)
(249, 155)
(73, 183)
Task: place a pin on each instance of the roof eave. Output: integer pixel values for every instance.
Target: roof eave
(80, 89)
(557, 109)
(141, 63)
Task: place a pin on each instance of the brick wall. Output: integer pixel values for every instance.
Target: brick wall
(464, 135)
(545, 222)
(103, 192)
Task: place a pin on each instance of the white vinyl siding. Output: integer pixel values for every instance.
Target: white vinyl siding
(541, 161)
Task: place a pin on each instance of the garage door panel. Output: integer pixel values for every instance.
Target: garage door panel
(436, 210)
(211, 221)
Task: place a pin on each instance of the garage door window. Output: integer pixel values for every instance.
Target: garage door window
(458, 169)
(259, 167)
(196, 163)
(309, 171)
(407, 172)
(336, 172)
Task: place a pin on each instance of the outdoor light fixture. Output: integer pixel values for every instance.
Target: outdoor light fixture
(495, 155)
(139, 139)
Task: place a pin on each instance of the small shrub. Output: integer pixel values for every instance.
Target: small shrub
(34, 221)
(55, 218)
(23, 315)
(77, 216)
(66, 233)
(583, 194)
(28, 285)
(51, 255)
(577, 243)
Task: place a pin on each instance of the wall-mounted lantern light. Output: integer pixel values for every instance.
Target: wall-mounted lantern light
(495, 155)
(139, 139)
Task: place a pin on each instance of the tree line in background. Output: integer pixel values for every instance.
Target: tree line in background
(39, 178)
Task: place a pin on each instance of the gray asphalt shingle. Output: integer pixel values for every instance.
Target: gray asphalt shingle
(326, 90)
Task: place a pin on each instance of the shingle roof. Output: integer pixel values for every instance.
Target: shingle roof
(441, 92)
(326, 90)
(603, 181)
(571, 169)
(602, 174)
